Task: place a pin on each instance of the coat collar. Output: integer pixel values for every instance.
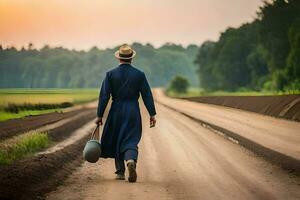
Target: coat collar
(124, 64)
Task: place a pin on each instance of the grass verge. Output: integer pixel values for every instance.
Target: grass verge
(194, 92)
(22, 146)
(6, 115)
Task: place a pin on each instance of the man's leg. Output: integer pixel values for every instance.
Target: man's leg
(120, 169)
(131, 158)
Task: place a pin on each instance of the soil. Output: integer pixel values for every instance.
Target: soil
(284, 106)
(15, 127)
(32, 177)
(63, 132)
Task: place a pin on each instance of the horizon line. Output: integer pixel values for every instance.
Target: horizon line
(96, 46)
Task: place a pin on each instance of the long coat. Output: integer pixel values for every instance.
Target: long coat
(123, 127)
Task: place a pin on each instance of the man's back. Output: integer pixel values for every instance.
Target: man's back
(125, 81)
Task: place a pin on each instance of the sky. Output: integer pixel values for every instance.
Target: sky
(82, 24)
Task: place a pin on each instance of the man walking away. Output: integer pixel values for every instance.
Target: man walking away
(123, 128)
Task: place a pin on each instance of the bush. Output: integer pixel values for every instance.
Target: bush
(293, 88)
(179, 84)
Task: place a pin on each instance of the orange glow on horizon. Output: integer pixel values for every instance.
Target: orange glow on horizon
(105, 23)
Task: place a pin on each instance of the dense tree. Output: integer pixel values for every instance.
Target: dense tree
(223, 65)
(263, 54)
(207, 78)
(63, 68)
(293, 60)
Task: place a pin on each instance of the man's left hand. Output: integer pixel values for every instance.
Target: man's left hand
(152, 121)
(99, 121)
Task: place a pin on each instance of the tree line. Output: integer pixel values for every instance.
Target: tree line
(262, 55)
(58, 67)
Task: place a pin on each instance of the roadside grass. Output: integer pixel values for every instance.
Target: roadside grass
(190, 93)
(194, 92)
(21, 146)
(7, 115)
(18, 103)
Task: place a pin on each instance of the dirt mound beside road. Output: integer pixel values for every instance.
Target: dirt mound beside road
(34, 176)
(18, 126)
(284, 106)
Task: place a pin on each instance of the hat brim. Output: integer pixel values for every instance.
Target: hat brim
(117, 55)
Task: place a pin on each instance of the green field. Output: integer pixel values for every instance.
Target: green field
(41, 96)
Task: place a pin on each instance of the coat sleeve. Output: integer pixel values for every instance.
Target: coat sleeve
(147, 96)
(104, 96)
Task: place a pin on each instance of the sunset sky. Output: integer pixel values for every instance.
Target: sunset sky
(82, 24)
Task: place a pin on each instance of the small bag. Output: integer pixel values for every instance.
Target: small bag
(92, 149)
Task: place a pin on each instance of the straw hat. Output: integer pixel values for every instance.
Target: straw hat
(125, 52)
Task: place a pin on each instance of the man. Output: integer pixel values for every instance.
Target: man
(123, 128)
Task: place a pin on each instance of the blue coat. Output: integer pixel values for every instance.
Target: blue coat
(123, 126)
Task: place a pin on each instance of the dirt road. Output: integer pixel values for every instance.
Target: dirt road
(179, 159)
(276, 139)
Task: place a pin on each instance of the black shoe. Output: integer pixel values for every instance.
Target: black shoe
(120, 177)
(132, 171)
